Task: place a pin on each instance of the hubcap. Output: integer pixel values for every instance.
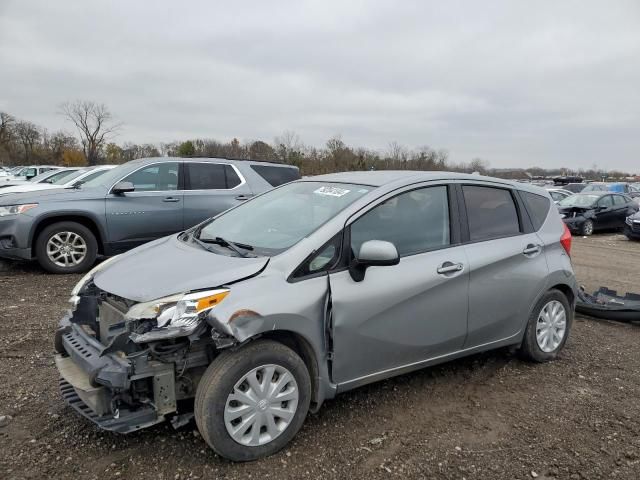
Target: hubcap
(551, 326)
(588, 228)
(261, 405)
(66, 249)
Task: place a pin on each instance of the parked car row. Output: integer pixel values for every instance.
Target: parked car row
(25, 173)
(258, 315)
(111, 210)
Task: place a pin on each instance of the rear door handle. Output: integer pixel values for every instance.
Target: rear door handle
(449, 267)
(170, 199)
(531, 249)
(243, 197)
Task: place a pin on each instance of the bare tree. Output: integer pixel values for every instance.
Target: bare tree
(94, 123)
(29, 136)
(6, 126)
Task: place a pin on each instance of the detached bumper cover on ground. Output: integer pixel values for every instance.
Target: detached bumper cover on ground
(607, 304)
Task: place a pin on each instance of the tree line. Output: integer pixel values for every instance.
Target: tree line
(23, 142)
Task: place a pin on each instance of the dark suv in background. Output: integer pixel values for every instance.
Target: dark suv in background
(65, 230)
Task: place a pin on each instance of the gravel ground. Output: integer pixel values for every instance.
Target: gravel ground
(490, 416)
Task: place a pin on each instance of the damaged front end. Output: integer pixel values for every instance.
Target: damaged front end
(574, 217)
(127, 365)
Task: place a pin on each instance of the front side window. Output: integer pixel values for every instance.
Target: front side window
(606, 201)
(415, 221)
(273, 222)
(158, 177)
(491, 213)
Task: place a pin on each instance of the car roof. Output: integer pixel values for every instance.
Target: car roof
(231, 161)
(378, 178)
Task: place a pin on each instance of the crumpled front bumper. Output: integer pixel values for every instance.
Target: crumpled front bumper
(92, 381)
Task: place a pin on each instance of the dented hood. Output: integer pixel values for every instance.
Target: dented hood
(169, 266)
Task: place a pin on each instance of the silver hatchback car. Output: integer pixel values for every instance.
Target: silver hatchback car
(255, 317)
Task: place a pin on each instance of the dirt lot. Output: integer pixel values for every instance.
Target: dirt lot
(490, 416)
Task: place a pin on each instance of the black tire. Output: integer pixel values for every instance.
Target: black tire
(218, 382)
(87, 236)
(587, 228)
(529, 349)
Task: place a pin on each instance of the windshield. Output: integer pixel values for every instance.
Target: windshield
(53, 179)
(596, 187)
(580, 201)
(109, 177)
(68, 178)
(280, 218)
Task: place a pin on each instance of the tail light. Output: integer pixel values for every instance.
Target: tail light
(565, 239)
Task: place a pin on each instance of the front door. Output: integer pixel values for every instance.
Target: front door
(152, 211)
(399, 316)
(605, 214)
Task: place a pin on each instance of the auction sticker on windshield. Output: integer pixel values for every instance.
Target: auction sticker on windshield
(331, 191)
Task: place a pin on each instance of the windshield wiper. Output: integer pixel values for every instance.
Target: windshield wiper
(225, 243)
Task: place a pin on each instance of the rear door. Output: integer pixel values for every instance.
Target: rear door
(153, 210)
(621, 210)
(211, 188)
(507, 266)
(401, 315)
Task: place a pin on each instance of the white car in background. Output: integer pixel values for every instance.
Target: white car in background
(46, 177)
(74, 179)
(27, 173)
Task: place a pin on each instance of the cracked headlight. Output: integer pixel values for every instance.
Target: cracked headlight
(16, 209)
(177, 315)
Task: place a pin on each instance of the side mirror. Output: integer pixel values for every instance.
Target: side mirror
(373, 253)
(123, 187)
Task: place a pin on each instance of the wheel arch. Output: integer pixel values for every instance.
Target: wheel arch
(83, 220)
(299, 344)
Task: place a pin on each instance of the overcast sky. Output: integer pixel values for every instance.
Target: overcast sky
(516, 83)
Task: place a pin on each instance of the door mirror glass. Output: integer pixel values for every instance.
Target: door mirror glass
(123, 187)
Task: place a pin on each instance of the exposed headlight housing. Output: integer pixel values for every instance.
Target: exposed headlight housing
(177, 315)
(16, 209)
(87, 278)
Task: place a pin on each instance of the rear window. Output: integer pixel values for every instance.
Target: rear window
(537, 206)
(276, 175)
(491, 212)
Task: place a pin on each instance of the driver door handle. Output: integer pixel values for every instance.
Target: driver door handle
(243, 197)
(531, 249)
(170, 199)
(448, 267)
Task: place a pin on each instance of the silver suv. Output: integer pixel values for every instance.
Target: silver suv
(319, 286)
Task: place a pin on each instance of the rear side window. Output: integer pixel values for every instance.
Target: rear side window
(538, 207)
(211, 176)
(491, 212)
(619, 200)
(276, 175)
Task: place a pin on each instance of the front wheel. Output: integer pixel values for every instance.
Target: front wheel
(250, 403)
(548, 327)
(66, 247)
(587, 228)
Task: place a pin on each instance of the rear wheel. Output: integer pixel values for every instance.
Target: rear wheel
(250, 403)
(548, 327)
(66, 247)
(587, 228)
